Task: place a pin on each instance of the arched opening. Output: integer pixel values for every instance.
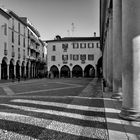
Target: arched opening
(65, 71)
(4, 69)
(77, 71)
(23, 69)
(54, 70)
(27, 70)
(89, 71)
(11, 69)
(18, 69)
(99, 68)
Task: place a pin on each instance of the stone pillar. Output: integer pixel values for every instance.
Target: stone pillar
(131, 59)
(83, 74)
(105, 61)
(0, 71)
(110, 55)
(117, 49)
(70, 74)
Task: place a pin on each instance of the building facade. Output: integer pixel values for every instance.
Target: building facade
(74, 57)
(21, 48)
(120, 31)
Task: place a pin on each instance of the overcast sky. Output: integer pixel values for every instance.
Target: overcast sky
(55, 17)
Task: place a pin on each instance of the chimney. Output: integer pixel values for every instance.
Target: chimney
(94, 34)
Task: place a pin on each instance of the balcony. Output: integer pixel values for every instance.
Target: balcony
(33, 38)
(13, 54)
(5, 52)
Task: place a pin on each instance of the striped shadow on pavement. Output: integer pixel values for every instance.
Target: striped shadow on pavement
(57, 126)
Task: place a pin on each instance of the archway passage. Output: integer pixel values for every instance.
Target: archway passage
(65, 71)
(27, 70)
(89, 71)
(23, 69)
(99, 68)
(4, 69)
(77, 71)
(11, 69)
(18, 69)
(54, 70)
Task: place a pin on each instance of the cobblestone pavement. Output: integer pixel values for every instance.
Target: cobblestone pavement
(65, 109)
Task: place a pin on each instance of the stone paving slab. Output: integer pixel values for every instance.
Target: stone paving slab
(119, 129)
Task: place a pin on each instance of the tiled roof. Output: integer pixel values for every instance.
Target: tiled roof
(74, 39)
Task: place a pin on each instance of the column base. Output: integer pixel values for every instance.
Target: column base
(129, 114)
(117, 95)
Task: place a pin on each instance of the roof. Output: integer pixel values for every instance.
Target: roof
(74, 39)
(25, 19)
(4, 13)
(16, 16)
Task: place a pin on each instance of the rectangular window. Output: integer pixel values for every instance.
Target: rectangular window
(5, 29)
(52, 58)
(5, 48)
(18, 52)
(54, 48)
(97, 45)
(91, 57)
(12, 37)
(82, 45)
(64, 57)
(83, 57)
(65, 47)
(13, 23)
(23, 54)
(24, 31)
(75, 57)
(18, 39)
(13, 53)
(75, 45)
(19, 27)
(24, 42)
(90, 45)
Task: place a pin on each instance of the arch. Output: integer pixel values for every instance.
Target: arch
(4, 68)
(65, 71)
(99, 67)
(18, 69)
(54, 70)
(11, 69)
(23, 69)
(27, 70)
(77, 71)
(89, 71)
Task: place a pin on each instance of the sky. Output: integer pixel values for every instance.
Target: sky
(67, 18)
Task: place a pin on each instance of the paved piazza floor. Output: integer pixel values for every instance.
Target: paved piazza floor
(52, 109)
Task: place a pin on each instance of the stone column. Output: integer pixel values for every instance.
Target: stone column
(0, 71)
(70, 74)
(131, 59)
(104, 62)
(117, 49)
(110, 51)
(109, 54)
